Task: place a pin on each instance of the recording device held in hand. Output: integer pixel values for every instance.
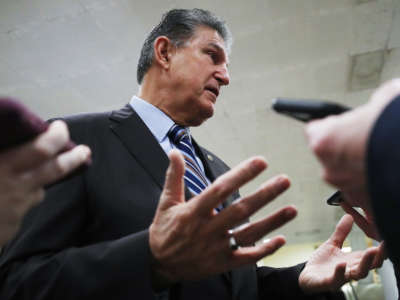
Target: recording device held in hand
(308, 110)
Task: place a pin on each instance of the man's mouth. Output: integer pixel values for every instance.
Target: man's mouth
(213, 90)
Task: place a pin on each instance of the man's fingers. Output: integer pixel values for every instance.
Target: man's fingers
(228, 183)
(248, 235)
(342, 230)
(245, 207)
(60, 166)
(250, 255)
(41, 149)
(380, 256)
(339, 276)
(362, 268)
(173, 191)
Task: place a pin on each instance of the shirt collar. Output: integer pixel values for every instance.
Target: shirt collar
(155, 119)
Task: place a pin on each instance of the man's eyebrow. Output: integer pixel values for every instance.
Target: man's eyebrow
(220, 49)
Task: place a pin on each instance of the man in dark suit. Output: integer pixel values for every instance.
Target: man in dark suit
(360, 155)
(126, 230)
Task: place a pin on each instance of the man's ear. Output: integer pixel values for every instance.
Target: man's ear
(163, 50)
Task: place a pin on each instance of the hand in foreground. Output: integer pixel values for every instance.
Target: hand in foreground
(340, 142)
(26, 169)
(329, 268)
(190, 241)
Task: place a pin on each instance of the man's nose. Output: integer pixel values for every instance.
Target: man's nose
(222, 75)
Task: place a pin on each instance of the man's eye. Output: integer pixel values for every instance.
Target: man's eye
(213, 55)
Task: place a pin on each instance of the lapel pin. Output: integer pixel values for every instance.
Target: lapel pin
(210, 157)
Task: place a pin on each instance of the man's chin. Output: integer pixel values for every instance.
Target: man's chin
(201, 117)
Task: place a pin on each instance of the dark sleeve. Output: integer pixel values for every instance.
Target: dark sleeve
(383, 167)
(52, 256)
(283, 283)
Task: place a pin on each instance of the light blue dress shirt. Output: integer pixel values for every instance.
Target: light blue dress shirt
(158, 123)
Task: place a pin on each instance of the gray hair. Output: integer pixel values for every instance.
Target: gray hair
(179, 25)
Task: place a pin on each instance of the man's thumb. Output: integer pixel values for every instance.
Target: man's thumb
(173, 191)
(342, 230)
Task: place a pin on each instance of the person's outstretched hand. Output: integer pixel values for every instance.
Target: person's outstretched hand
(329, 267)
(190, 241)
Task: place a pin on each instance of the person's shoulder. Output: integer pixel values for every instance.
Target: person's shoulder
(83, 117)
(93, 118)
(84, 126)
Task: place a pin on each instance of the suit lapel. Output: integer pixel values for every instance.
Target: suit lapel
(140, 142)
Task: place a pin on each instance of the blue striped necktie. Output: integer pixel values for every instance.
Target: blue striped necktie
(194, 177)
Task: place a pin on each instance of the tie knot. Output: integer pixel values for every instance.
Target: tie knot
(177, 133)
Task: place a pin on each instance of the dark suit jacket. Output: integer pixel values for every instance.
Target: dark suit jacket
(89, 238)
(383, 162)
